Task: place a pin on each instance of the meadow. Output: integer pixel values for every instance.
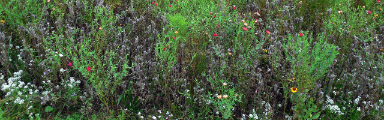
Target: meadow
(191, 59)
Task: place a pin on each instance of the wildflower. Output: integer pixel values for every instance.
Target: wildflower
(234, 7)
(382, 49)
(174, 38)
(170, 5)
(214, 34)
(229, 53)
(225, 96)
(2, 21)
(224, 84)
(301, 34)
(164, 48)
(219, 96)
(175, 0)
(211, 13)
(267, 32)
(369, 12)
(340, 12)
(217, 25)
(378, 1)
(244, 28)
(300, 2)
(100, 28)
(293, 89)
(89, 69)
(167, 45)
(155, 4)
(265, 50)
(70, 64)
(292, 79)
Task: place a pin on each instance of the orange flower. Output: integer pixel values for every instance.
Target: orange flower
(2, 21)
(293, 89)
(176, 32)
(219, 96)
(292, 79)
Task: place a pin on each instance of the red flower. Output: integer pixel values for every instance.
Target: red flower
(211, 13)
(164, 48)
(155, 4)
(69, 64)
(214, 34)
(369, 12)
(378, 1)
(217, 25)
(167, 45)
(267, 31)
(234, 7)
(89, 69)
(301, 34)
(170, 5)
(175, 0)
(244, 28)
(174, 38)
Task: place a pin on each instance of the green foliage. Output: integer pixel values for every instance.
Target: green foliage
(305, 107)
(48, 109)
(309, 65)
(128, 101)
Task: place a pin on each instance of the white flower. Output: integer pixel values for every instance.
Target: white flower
(72, 79)
(61, 55)
(159, 111)
(19, 100)
(358, 108)
(8, 93)
(139, 113)
(250, 116)
(154, 117)
(19, 93)
(62, 70)
(142, 117)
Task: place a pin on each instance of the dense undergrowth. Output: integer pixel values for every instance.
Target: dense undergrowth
(191, 59)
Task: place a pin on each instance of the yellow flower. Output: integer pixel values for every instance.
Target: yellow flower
(292, 79)
(376, 15)
(2, 21)
(293, 89)
(300, 2)
(265, 50)
(176, 32)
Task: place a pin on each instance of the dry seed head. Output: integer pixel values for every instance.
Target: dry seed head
(219, 96)
(225, 96)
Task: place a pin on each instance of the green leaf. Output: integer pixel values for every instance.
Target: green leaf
(48, 109)
(316, 116)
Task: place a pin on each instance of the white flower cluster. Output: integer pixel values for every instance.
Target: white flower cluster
(357, 100)
(72, 82)
(253, 115)
(332, 107)
(18, 89)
